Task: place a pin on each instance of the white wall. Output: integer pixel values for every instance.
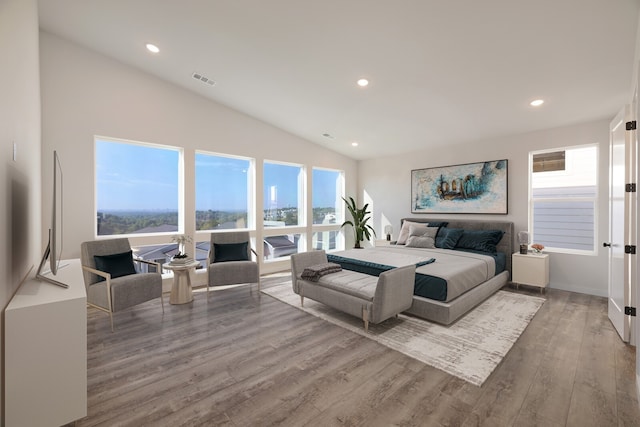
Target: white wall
(19, 124)
(387, 184)
(86, 94)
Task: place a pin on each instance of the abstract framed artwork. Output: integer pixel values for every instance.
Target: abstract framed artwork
(479, 188)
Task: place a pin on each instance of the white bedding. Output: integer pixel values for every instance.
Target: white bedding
(461, 270)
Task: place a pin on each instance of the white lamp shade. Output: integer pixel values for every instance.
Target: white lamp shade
(523, 237)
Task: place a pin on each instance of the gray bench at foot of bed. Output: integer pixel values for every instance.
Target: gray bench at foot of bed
(375, 299)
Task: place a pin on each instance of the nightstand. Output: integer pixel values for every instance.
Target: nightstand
(530, 269)
(381, 242)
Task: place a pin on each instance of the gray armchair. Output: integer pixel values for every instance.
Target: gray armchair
(230, 260)
(111, 279)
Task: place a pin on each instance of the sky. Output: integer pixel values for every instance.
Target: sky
(138, 177)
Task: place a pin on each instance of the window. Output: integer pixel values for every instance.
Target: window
(328, 208)
(281, 246)
(137, 188)
(326, 240)
(223, 192)
(546, 162)
(283, 195)
(327, 192)
(564, 199)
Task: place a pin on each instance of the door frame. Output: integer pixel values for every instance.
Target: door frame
(618, 295)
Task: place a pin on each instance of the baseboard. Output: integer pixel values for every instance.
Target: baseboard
(581, 290)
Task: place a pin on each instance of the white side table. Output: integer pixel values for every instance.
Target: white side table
(181, 292)
(530, 269)
(382, 242)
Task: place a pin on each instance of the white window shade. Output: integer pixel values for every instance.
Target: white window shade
(563, 203)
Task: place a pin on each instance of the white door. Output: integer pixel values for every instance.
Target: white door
(618, 292)
(631, 222)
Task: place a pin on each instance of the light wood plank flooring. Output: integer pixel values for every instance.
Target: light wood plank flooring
(245, 359)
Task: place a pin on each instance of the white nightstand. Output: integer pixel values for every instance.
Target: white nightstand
(381, 242)
(530, 269)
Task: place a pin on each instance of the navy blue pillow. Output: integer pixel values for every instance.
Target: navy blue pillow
(117, 265)
(230, 252)
(480, 240)
(448, 237)
(438, 224)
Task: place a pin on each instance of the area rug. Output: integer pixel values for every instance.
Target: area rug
(469, 349)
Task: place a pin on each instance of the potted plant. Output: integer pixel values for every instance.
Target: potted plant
(360, 217)
(181, 240)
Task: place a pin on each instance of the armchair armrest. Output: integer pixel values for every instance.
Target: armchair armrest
(107, 276)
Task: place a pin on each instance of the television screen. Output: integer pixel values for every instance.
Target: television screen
(54, 245)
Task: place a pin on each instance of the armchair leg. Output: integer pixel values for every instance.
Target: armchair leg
(162, 302)
(111, 319)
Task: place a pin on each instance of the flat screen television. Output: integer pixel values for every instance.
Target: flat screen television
(54, 244)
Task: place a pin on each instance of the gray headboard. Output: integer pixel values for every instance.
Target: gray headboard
(505, 245)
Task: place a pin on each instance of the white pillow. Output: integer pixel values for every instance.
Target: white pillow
(404, 231)
(421, 242)
(423, 232)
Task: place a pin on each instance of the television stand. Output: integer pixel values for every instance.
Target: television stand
(43, 275)
(44, 278)
(45, 362)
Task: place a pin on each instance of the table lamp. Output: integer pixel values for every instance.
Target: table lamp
(523, 240)
(388, 230)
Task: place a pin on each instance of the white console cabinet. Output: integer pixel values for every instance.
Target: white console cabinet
(46, 351)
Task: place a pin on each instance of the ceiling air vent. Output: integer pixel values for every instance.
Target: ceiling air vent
(204, 79)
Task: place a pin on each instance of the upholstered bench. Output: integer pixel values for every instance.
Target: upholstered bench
(373, 298)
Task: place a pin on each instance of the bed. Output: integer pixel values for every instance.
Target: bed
(450, 280)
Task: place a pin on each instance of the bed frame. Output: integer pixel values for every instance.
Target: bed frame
(448, 312)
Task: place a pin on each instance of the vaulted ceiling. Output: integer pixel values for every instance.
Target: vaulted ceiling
(440, 72)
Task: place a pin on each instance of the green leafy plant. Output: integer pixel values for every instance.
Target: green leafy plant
(360, 218)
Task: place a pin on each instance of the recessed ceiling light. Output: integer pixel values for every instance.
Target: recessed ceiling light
(363, 82)
(537, 102)
(152, 48)
(354, 144)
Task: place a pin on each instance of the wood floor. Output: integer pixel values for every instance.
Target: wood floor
(246, 359)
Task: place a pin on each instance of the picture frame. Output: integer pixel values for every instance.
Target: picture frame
(470, 188)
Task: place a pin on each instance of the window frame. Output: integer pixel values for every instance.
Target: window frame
(340, 217)
(595, 199)
(301, 199)
(251, 186)
(180, 185)
(186, 192)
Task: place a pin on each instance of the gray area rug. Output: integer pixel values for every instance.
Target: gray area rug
(469, 349)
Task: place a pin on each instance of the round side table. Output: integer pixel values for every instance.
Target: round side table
(181, 292)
